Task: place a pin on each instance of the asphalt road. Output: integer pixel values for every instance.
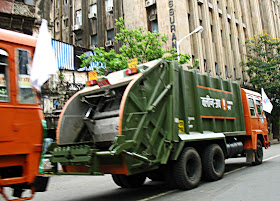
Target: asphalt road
(241, 182)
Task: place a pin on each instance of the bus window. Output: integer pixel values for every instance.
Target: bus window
(26, 94)
(4, 90)
(252, 107)
(259, 108)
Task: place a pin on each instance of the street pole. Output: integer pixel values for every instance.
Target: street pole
(197, 30)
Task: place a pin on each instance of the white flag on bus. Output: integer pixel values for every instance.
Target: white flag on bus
(44, 62)
(266, 104)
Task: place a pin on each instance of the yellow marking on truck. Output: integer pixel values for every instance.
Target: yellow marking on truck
(181, 126)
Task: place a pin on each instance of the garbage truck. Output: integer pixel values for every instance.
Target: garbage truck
(162, 122)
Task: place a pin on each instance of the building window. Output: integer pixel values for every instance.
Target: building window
(216, 67)
(110, 34)
(79, 42)
(4, 90)
(226, 71)
(235, 76)
(205, 65)
(65, 2)
(93, 9)
(154, 25)
(65, 21)
(109, 4)
(28, 2)
(57, 26)
(200, 23)
(26, 94)
(79, 17)
(93, 40)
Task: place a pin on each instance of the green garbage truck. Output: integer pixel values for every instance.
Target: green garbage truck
(159, 121)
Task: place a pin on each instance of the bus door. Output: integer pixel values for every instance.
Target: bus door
(7, 110)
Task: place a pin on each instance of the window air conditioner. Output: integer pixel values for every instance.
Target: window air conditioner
(109, 9)
(77, 27)
(200, 1)
(150, 2)
(109, 43)
(92, 15)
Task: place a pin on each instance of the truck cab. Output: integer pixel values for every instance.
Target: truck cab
(255, 120)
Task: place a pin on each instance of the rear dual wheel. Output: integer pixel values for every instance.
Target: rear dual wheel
(188, 169)
(213, 162)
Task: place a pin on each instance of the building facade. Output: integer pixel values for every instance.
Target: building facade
(219, 48)
(18, 15)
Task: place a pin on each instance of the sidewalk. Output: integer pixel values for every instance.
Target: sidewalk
(274, 141)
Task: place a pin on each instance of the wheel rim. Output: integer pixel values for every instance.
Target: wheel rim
(191, 169)
(217, 162)
(259, 152)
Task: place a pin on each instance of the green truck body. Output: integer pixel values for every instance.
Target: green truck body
(140, 124)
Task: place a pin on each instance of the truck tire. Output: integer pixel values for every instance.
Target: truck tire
(132, 181)
(188, 169)
(258, 154)
(213, 162)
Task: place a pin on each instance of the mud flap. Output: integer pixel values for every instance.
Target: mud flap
(40, 183)
(250, 156)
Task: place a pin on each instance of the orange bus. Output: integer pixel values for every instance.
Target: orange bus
(21, 120)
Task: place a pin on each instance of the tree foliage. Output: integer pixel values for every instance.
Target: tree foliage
(136, 43)
(263, 67)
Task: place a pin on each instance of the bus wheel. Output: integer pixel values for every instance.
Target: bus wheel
(213, 162)
(258, 154)
(132, 181)
(187, 169)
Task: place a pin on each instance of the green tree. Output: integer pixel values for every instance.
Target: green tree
(136, 43)
(263, 65)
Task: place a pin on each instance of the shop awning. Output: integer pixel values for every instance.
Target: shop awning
(64, 54)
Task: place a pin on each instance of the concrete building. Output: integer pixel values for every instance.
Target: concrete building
(219, 48)
(18, 15)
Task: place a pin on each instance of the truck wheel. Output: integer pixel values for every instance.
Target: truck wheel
(187, 169)
(132, 181)
(213, 162)
(258, 154)
(117, 180)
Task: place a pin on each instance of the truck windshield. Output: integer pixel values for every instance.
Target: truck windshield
(259, 108)
(252, 107)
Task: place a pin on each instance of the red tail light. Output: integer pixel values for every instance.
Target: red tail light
(91, 82)
(131, 71)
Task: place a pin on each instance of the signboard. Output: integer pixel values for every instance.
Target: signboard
(132, 63)
(92, 75)
(24, 81)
